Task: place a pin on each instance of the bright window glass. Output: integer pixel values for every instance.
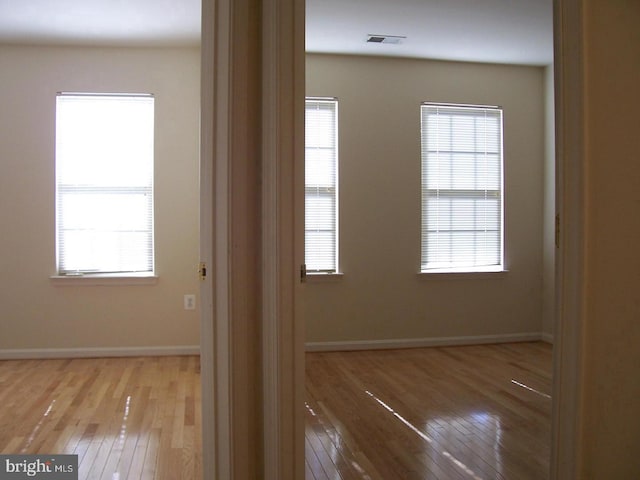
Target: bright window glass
(104, 183)
(321, 185)
(462, 194)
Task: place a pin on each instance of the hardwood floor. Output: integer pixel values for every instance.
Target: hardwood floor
(458, 413)
(476, 412)
(125, 418)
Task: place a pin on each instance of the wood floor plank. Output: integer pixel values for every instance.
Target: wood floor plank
(116, 414)
(474, 412)
(450, 413)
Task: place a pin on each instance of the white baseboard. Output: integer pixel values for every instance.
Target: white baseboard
(547, 337)
(421, 342)
(43, 353)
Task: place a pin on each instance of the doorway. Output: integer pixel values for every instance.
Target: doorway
(380, 301)
(562, 361)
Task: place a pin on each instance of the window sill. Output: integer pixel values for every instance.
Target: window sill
(461, 275)
(323, 277)
(104, 280)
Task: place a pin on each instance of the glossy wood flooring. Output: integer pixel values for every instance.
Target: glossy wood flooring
(457, 413)
(476, 412)
(125, 418)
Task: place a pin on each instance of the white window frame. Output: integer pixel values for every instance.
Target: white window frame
(440, 253)
(326, 189)
(88, 184)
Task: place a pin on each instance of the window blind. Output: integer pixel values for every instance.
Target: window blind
(462, 194)
(104, 183)
(321, 185)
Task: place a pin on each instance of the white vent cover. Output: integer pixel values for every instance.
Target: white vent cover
(395, 39)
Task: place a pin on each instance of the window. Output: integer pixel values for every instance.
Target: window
(104, 183)
(462, 200)
(321, 185)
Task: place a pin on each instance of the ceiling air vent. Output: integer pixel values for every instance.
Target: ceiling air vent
(384, 39)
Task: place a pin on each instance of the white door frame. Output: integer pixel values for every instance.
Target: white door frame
(214, 330)
(283, 93)
(570, 279)
(281, 449)
(252, 148)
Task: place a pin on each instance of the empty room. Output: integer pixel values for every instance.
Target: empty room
(423, 311)
(417, 366)
(429, 247)
(104, 365)
(381, 298)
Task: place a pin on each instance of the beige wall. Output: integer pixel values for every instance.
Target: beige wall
(381, 295)
(610, 436)
(38, 314)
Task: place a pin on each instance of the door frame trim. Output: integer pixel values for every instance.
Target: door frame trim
(282, 250)
(570, 259)
(282, 337)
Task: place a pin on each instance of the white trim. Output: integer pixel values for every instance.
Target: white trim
(103, 280)
(451, 275)
(209, 377)
(217, 122)
(464, 270)
(420, 342)
(271, 255)
(232, 141)
(98, 352)
(566, 435)
(315, 277)
(282, 150)
(547, 337)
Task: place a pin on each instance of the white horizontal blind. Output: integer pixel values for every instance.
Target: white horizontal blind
(462, 200)
(321, 185)
(104, 183)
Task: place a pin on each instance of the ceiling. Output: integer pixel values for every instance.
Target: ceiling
(101, 22)
(497, 31)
